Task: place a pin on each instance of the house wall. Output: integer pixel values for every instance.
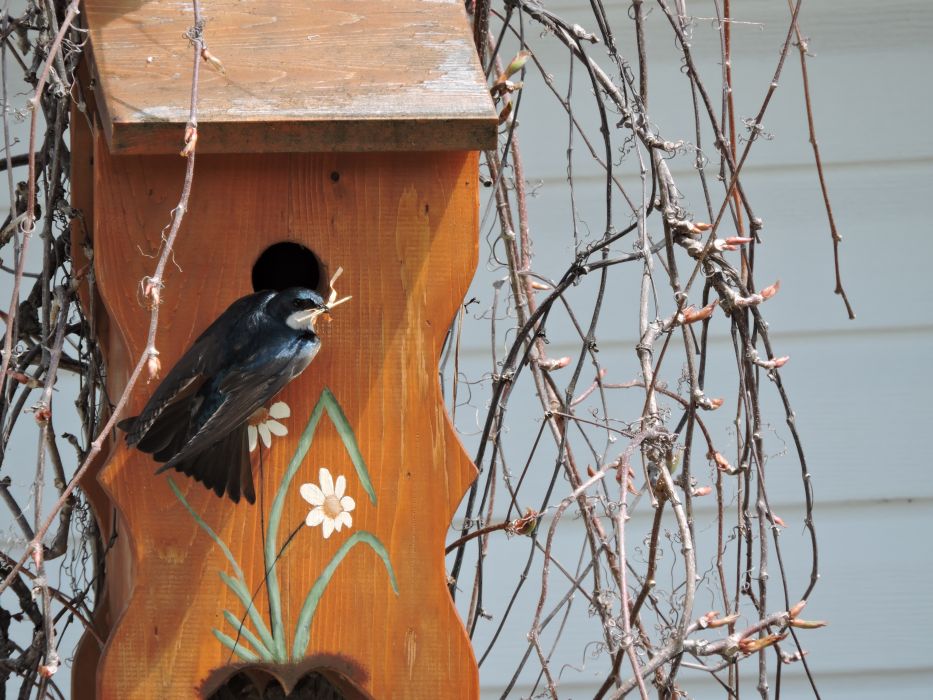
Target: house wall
(859, 388)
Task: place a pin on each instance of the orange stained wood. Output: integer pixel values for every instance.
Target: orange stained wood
(403, 227)
(87, 654)
(300, 76)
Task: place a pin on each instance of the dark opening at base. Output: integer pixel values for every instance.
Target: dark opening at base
(312, 687)
(285, 265)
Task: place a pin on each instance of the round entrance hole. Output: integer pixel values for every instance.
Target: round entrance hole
(285, 265)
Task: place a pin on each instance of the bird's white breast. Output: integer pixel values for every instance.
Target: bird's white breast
(303, 320)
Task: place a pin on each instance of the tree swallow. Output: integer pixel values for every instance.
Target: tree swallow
(196, 420)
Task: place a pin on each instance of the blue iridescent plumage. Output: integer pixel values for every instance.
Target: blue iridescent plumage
(195, 422)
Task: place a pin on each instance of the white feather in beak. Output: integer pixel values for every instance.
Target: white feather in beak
(305, 319)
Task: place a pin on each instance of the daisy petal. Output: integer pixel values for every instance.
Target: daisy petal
(264, 434)
(327, 481)
(312, 494)
(252, 435)
(276, 428)
(344, 519)
(347, 503)
(315, 517)
(279, 409)
(340, 486)
(328, 527)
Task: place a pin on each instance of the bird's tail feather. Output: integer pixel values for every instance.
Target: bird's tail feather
(127, 424)
(224, 467)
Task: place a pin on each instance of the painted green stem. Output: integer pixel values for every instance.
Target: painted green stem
(306, 616)
(270, 549)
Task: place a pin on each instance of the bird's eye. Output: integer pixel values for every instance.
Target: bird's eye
(296, 303)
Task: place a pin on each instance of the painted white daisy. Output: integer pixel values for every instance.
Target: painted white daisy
(329, 507)
(263, 424)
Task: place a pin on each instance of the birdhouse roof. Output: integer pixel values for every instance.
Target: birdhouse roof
(297, 75)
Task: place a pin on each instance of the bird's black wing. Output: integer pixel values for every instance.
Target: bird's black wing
(217, 454)
(224, 467)
(173, 404)
(162, 428)
(174, 413)
(243, 392)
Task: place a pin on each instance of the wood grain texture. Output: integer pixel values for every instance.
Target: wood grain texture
(405, 231)
(301, 76)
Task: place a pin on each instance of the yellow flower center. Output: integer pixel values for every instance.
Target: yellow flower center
(332, 506)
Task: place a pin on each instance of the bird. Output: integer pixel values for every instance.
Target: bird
(196, 420)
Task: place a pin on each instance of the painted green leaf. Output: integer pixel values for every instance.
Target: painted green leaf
(237, 584)
(207, 528)
(271, 645)
(236, 647)
(345, 431)
(243, 631)
(306, 616)
(242, 593)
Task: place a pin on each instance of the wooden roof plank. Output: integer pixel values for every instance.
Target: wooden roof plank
(301, 75)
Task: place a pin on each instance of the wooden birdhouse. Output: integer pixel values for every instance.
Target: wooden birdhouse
(342, 133)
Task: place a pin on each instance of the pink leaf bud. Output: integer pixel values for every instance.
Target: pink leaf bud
(692, 315)
(722, 621)
(770, 290)
(807, 624)
(191, 141)
(721, 462)
(213, 61)
(48, 670)
(554, 364)
(750, 646)
(43, 413)
(153, 365)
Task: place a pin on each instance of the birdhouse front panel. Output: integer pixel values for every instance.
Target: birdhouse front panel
(337, 566)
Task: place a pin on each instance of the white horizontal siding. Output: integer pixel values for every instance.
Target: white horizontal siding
(884, 254)
(858, 396)
(861, 595)
(867, 70)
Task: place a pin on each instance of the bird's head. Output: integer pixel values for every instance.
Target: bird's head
(300, 308)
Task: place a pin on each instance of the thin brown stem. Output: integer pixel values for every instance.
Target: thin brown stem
(155, 281)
